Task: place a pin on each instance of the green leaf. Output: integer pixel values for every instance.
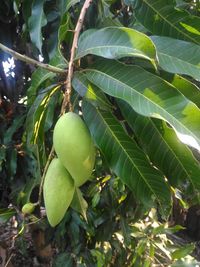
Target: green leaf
(184, 263)
(186, 87)
(41, 75)
(126, 159)
(36, 22)
(64, 259)
(149, 95)
(89, 91)
(161, 17)
(183, 251)
(79, 204)
(177, 56)
(163, 148)
(37, 113)
(116, 42)
(71, 3)
(2, 155)
(6, 214)
(17, 123)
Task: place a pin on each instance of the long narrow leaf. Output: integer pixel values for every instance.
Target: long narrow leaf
(36, 22)
(149, 95)
(186, 87)
(126, 159)
(116, 42)
(178, 56)
(163, 148)
(37, 113)
(162, 18)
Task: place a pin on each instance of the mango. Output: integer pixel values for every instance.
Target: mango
(74, 147)
(28, 208)
(58, 191)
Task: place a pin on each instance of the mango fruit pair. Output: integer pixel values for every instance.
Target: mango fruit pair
(73, 167)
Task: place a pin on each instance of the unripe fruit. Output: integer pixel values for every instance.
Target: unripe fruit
(28, 208)
(58, 191)
(74, 147)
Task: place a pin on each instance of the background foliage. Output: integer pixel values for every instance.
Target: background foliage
(136, 84)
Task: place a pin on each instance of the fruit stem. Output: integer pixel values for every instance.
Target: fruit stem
(67, 95)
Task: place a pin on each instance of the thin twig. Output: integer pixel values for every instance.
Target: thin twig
(50, 157)
(31, 61)
(66, 100)
(9, 260)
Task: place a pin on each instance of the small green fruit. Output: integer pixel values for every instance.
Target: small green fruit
(28, 208)
(58, 192)
(74, 147)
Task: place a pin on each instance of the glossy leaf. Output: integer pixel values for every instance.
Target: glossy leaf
(6, 214)
(161, 17)
(183, 251)
(36, 22)
(79, 204)
(163, 148)
(149, 95)
(37, 113)
(116, 42)
(90, 91)
(41, 75)
(186, 87)
(178, 56)
(126, 159)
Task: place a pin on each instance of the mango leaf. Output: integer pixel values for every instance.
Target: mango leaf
(116, 42)
(71, 3)
(126, 159)
(79, 204)
(37, 112)
(163, 18)
(6, 214)
(149, 95)
(36, 22)
(64, 259)
(41, 75)
(2, 155)
(90, 91)
(186, 87)
(106, 17)
(183, 251)
(178, 56)
(17, 123)
(185, 263)
(163, 148)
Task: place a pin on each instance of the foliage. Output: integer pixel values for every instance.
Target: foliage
(136, 85)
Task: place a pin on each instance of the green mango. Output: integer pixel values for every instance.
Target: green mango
(58, 191)
(74, 147)
(28, 208)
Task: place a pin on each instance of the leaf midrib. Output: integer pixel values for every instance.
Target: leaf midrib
(172, 151)
(130, 159)
(84, 52)
(148, 100)
(179, 59)
(168, 22)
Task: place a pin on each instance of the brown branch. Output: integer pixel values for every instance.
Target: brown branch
(66, 100)
(31, 61)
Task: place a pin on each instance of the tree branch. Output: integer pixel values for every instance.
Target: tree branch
(66, 100)
(31, 61)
